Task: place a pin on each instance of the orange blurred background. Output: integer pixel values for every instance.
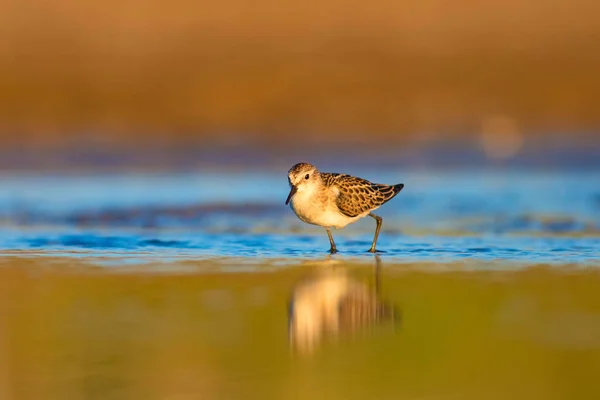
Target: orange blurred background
(86, 83)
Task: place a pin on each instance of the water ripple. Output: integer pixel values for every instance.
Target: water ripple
(479, 216)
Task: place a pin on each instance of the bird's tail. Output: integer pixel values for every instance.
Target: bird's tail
(397, 188)
(390, 191)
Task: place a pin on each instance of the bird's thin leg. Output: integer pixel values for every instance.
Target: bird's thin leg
(332, 250)
(379, 221)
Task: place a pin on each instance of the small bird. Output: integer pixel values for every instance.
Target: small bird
(334, 200)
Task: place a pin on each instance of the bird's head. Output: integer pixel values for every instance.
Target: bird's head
(302, 176)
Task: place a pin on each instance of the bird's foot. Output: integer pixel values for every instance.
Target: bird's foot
(332, 250)
(375, 251)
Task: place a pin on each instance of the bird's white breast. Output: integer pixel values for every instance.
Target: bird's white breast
(318, 207)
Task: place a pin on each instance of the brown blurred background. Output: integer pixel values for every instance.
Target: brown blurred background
(133, 82)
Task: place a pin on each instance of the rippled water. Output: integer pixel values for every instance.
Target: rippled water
(439, 216)
(205, 285)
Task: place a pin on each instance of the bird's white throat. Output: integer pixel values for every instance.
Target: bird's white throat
(306, 195)
(315, 204)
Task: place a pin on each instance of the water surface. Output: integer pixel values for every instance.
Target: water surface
(218, 331)
(507, 216)
(205, 286)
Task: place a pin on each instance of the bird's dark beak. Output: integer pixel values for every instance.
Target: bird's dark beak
(292, 193)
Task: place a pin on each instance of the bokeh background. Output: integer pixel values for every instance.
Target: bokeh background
(160, 85)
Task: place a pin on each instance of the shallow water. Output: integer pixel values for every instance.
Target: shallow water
(324, 329)
(205, 286)
(510, 216)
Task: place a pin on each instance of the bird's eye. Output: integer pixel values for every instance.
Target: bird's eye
(307, 176)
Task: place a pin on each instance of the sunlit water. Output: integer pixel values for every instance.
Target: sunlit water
(205, 286)
(520, 217)
(325, 329)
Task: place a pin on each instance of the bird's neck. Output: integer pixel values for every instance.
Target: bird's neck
(309, 190)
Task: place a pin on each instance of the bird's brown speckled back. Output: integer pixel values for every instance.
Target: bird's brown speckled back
(357, 195)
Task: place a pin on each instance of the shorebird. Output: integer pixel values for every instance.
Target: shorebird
(333, 200)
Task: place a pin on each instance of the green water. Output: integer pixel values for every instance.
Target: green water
(213, 331)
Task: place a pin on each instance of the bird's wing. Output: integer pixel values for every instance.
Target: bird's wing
(356, 195)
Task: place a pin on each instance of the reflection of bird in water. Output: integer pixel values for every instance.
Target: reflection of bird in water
(333, 303)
